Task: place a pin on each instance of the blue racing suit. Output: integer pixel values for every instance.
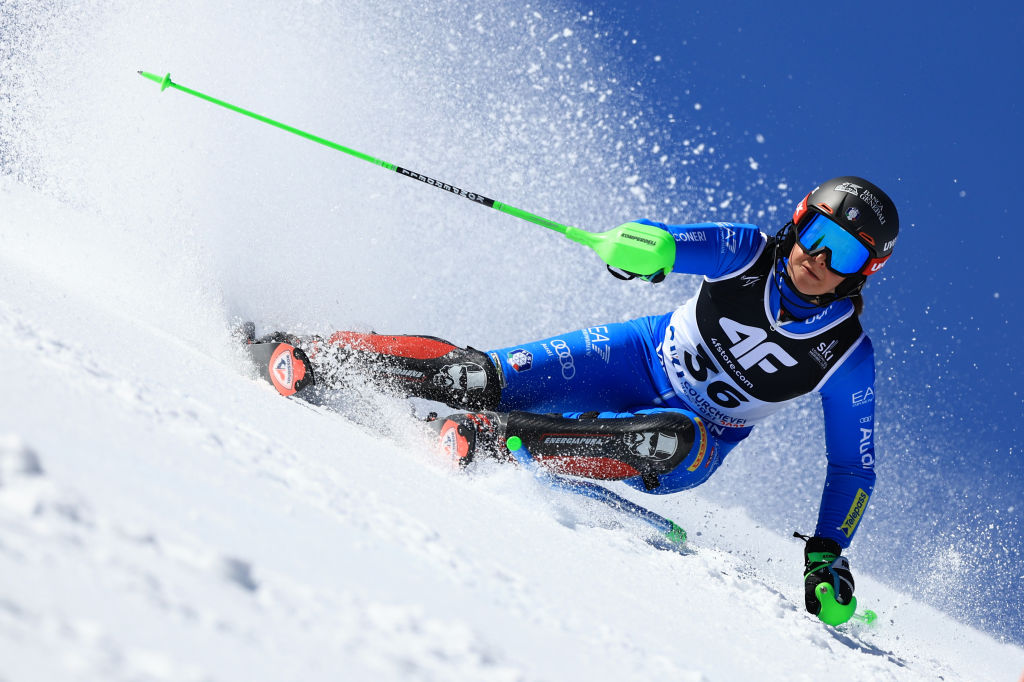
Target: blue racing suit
(742, 348)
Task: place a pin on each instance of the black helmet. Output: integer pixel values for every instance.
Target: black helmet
(861, 208)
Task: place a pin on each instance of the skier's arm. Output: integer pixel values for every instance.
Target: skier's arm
(712, 249)
(848, 401)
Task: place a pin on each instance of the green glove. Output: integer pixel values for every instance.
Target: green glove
(828, 582)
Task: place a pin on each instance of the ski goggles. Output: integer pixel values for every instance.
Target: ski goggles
(844, 254)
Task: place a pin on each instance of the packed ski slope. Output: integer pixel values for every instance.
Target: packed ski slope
(166, 516)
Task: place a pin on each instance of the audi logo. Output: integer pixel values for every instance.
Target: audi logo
(564, 358)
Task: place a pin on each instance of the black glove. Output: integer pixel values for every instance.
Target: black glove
(823, 564)
(626, 274)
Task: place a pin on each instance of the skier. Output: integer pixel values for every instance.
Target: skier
(658, 402)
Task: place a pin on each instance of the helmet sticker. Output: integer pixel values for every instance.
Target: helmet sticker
(801, 209)
(864, 195)
(874, 203)
(848, 187)
(852, 214)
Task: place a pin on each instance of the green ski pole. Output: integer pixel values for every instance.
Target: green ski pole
(634, 247)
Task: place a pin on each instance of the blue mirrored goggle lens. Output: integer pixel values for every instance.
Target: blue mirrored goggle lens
(846, 254)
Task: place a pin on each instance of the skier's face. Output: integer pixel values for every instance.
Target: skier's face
(809, 274)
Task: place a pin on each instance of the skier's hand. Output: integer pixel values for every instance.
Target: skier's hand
(626, 274)
(823, 564)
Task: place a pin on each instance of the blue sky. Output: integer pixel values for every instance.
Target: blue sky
(926, 102)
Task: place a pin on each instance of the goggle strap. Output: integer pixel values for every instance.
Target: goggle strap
(874, 265)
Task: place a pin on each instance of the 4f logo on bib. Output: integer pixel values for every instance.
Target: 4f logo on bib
(751, 347)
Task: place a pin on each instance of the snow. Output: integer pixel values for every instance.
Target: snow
(164, 515)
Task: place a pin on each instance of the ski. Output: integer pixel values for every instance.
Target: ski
(672, 536)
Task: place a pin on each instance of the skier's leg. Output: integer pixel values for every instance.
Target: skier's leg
(646, 448)
(605, 367)
(421, 366)
(613, 367)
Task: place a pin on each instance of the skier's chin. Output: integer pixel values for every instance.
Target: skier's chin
(808, 283)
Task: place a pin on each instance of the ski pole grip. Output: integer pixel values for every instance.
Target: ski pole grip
(633, 247)
(832, 612)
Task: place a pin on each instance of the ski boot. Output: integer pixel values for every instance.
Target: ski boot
(408, 366)
(462, 438)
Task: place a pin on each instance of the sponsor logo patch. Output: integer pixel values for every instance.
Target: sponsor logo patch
(413, 374)
(729, 241)
(520, 359)
(451, 444)
(876, 205)
(849, 188)
(561, 348)
(823, 353)
(465, 377)
(284, 371)
(860, 502)
(652, 444)
(574, 440)
(863, 397)
(875, 264)
(597, 342)
(867, 454)
(703, 446)
(752, 347)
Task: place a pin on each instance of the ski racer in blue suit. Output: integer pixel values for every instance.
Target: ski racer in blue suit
(658, 402)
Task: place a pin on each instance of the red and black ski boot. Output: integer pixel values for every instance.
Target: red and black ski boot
(462, 438)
